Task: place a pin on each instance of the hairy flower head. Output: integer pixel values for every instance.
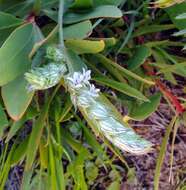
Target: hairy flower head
(86, 97)
(40, 78)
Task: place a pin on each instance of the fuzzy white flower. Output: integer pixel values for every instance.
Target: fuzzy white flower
(78, 79)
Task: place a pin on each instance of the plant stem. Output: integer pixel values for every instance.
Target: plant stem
(60, 22)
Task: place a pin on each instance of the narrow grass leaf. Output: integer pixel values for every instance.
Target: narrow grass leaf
(121, 87)
(35, 137)
(102, 58)
(3, 121)
(19, 152)
(162, 152)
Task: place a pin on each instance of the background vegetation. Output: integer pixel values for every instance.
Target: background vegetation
(136, 53)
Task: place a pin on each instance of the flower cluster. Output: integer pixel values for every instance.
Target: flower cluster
(78, 80)
(87, 98)
(41, 78)
(79, 83)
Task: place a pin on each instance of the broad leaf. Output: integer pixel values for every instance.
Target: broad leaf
(82, 4)
(139, 57)
(107, 11)
(144, 110)
(8, 20)
(16, 97)
(17, 88)
(14, 53)
(7, 25)
(108, 2)
(78, 31)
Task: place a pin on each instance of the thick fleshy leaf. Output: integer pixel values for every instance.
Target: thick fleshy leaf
(107, 11)
(16, 97)
(15, 94)
(144, 110)
(7, 24)
(139, 57)
(8, 20)
(82, 4)
(106, 2)
(85, 46)
(14, 53)
(78, 31)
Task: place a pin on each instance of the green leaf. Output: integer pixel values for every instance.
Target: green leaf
(3, 121)
(152, 29)
(90, 138)
(78, 165)
(43, 153)
(115, 185)
(35, 137)
(107, 11)
(92, 171)
(85, 46)
(124, 71)
(122, 87)
(175, 11)
(19, 152)
(15, 127)
(82, 4)
(144, 110)
(78, 31)
(14, 53)
(139, 57)
(19, 8)
(162, 152)
(8, 21)
(8, 24)
(16, 97)
(108, 2)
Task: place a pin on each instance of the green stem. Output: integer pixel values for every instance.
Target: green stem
(60, 22)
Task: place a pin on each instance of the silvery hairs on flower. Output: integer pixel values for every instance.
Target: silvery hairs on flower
(41, 78)
(100, 115)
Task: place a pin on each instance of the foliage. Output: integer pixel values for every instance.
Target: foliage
(47, 51)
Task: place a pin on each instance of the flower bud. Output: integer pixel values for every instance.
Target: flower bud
(55, 54)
